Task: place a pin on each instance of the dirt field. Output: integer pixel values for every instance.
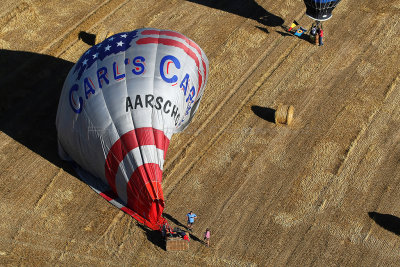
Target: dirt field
(324, 191)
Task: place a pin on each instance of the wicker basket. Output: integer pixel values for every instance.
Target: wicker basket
(176, 244)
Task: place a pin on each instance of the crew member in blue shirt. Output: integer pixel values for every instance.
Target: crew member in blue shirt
(190, 219)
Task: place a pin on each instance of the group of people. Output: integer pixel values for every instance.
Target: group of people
(190, 221)
(316, 31)
(167, 231)
(176, 232)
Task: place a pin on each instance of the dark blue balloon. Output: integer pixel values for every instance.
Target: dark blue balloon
(320, 9)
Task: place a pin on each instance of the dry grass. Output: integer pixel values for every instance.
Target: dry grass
(272, 195)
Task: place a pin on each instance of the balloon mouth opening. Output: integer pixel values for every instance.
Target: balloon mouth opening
(320, 15)
(318, 19)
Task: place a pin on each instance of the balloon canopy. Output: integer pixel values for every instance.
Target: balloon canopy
(119, 106)
(320, 9)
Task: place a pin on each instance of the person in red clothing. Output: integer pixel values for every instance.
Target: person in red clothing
(320, 35)
(186, 237)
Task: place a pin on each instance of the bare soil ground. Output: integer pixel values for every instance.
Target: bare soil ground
(324, 191)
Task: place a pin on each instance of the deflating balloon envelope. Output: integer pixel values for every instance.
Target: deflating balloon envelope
(120, 105)
(320, 9)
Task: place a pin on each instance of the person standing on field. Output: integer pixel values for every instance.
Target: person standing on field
(320, 35)
(313, 34)
(207, 236)
(190, 220)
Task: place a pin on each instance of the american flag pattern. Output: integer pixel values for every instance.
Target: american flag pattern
(113, 45)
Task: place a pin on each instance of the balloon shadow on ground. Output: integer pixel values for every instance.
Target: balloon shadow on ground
(387, 221)
(175, 221)
(285, 34)
(285, 31)
(195, 238)
(262, 29)
(244, 8)
(30, 86)
(265, 113)
(154, 237)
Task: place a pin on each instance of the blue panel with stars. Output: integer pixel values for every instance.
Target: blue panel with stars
(113, 45)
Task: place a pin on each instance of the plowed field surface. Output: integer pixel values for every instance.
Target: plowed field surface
(323, 191)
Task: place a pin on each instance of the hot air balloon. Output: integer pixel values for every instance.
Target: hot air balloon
(320, 9)
(119, 107)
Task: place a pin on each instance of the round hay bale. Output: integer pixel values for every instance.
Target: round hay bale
(284, 114)
(102, 35)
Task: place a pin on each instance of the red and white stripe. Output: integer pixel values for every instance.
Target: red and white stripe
(133, 169)
(137, 157)
(175, 39)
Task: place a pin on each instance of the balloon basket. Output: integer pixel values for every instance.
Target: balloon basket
(176, 244)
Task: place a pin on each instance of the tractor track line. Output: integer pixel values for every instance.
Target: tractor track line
(238, 84)
(37, 204)
(228, 96)
(47, 188)
(10, 15)
(88, 26)
(14, 242)
(366, 126)
(64, 41)
(251, 93)
(360, 134)
(44, 235)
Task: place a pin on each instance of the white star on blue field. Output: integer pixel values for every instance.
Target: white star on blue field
(114, 44)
